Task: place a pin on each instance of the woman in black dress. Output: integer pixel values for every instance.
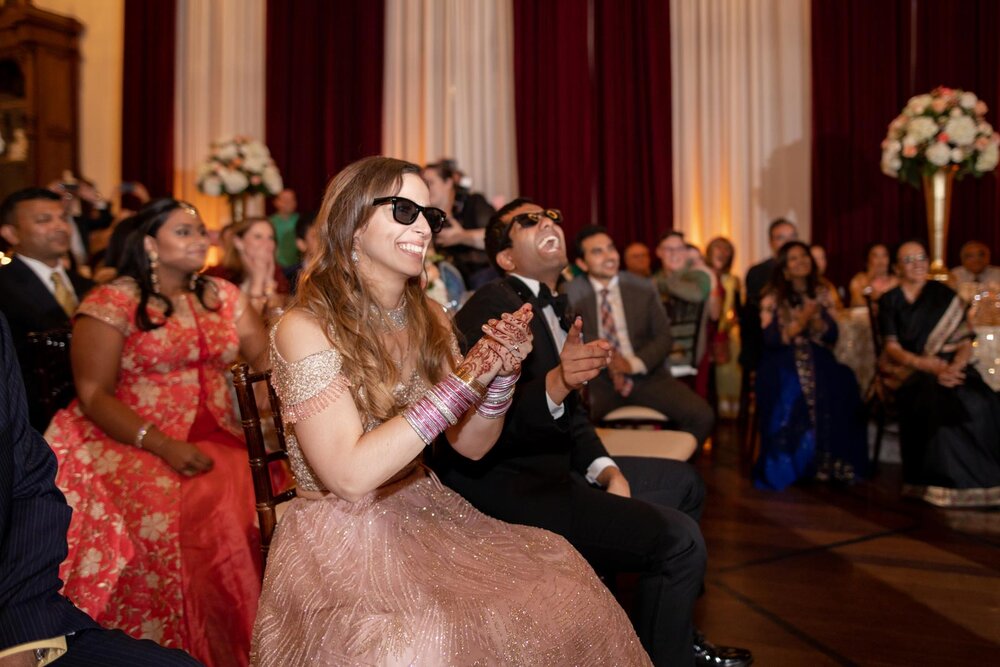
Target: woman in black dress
(949, 418)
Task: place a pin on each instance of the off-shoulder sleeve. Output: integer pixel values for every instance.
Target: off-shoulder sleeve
(113, 303)
(308, 386)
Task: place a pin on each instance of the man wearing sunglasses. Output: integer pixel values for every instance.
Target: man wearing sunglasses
(549, 468)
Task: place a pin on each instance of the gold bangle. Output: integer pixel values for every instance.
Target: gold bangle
(470, 381)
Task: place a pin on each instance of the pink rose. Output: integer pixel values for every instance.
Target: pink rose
(943, 137)
(255, 180)
(909, 151)
(981, 108)
(938, 105)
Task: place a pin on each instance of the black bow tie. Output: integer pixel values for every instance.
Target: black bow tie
(558, 303)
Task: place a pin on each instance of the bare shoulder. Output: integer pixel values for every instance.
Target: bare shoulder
(298, 334)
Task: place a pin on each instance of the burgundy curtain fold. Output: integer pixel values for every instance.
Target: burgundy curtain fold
(148, 94)
(635, 168)
(324, 89)
(868, 59)
(592, 103)
(554, 107)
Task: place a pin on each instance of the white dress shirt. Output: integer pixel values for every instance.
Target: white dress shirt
(44, 273)
(598, 465)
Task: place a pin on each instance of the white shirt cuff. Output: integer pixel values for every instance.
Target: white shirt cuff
(597, 467)
(638, 367)
(556, 411)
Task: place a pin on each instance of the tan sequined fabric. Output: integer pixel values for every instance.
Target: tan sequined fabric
(412, 574)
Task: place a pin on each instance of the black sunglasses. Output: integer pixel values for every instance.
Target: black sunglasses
(533, 218)
(405, 212)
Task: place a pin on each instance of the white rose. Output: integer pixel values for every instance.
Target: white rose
(256, 149)
(922, 128)
(918, 103)
(968, 100)
(211, 185)
(957, 155)
(227, 151)
(938, 154)
(961, 131)
(271, 178)
(234, 181)
(255, 163)
(984, 128)
(894, 146)
(988, 158)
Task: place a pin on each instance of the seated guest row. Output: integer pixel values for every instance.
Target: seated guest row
(148, 476)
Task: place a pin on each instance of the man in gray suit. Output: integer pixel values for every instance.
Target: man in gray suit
(626, 311)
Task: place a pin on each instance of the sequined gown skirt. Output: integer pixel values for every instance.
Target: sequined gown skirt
(412, 574)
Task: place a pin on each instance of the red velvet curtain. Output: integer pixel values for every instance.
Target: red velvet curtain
(148, 94)
(868, 59)
(324, 89)
(593, 124)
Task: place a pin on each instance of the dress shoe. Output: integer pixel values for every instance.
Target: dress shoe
(707, 653)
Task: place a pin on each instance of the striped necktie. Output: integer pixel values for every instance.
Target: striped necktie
(611, 335)
(64, 295)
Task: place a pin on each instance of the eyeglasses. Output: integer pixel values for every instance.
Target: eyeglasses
(913, 259)
(405, 212)
(534, 217)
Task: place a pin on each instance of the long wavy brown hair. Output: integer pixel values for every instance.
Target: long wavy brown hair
(332, 290)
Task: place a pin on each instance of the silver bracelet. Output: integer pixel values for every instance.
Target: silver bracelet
(140, 435)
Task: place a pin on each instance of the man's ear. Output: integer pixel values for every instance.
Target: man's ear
(505, 260)
(9, 234)
(580, 264)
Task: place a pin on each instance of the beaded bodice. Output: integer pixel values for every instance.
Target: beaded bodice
(307, 386)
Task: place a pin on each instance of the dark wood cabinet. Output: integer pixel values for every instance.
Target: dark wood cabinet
(39, 93)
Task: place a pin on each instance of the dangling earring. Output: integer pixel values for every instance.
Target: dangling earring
(354, 254)
(154, 264)
(193, 284)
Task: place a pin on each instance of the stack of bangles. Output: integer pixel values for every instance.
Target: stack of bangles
(445, 403)
(499, 396)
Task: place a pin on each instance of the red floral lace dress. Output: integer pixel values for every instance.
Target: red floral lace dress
(151, 552)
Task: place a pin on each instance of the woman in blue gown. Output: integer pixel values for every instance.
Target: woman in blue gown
(811, 416)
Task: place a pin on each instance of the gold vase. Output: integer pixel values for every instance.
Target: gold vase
(238, 207)
(937, 196)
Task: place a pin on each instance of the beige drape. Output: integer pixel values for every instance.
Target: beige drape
(449, 87)
(219, 88)
(741, 119)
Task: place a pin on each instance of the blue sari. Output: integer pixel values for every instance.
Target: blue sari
(811, 416)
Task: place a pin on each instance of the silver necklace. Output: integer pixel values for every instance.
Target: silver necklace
(394, 319)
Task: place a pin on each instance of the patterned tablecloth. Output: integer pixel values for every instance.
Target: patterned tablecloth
(854, 346)
(986, 352)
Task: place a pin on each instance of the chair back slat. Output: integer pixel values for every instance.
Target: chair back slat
(259, 458)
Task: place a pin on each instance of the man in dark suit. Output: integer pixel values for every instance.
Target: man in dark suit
(37, 293)
(780, 232)
(549, 468)
(626, 311)
(36, 623)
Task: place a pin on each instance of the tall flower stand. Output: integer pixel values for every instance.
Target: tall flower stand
(937, 196)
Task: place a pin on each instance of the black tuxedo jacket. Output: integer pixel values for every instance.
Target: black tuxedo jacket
(535, 453)
(29, 305)
(751, 337)
(648, 326)
(34, 518)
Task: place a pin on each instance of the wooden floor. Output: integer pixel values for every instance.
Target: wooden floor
(819, 575)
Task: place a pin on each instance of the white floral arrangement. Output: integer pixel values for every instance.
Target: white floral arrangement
(946, 128)
(237, 166)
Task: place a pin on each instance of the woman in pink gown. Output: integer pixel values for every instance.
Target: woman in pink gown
(376, 562)
(162, 543)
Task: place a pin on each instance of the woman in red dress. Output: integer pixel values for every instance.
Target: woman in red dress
(162, 543)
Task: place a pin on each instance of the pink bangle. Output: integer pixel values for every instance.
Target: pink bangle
(499, 396)
(443, 405)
